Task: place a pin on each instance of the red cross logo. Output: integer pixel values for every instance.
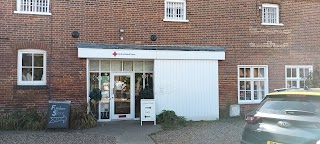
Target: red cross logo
(114, 54)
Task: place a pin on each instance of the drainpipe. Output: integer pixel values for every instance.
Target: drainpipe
(50, 57)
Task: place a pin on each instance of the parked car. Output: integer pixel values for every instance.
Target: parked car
(291, 116)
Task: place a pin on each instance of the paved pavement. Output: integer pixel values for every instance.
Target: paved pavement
(130, 132)
(115, 132)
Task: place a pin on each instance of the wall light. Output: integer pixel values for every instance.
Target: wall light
(121, 30)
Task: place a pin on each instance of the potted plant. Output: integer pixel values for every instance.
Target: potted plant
(95, 97)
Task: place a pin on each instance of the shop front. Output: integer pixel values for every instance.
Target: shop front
(183, 79)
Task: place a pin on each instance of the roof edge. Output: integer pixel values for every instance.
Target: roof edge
(150, 47)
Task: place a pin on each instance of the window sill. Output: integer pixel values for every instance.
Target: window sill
(271, 24)
(36, 13)
(168, 20)
(28, 87)
(249, 102)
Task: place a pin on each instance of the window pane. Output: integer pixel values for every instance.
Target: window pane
(261, 72)
(247, 75)
(105, 65)
(127, 66)
(256, 85)
(175, 10)
(138, 91)
(288, 84)
(248, 95)
(301, 73)
(149, 80)
(258, 90)
(294, 72)
(262, 85)
(94, 65)
(294, 84)
(38, 72)
(105, 84)
(307, 72)
(255, 95)
(242, 95)
(269, 15)
(38, 60)
(288, 72)
(94, 81)
(116, 66)
(301, 84)
(255, 72)
(248, 85)
(149, 66)
(262, 94)
(138, 66)
(26, 74)
(242, 86)
(241, 72)
(26, 59)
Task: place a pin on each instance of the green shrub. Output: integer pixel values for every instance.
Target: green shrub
(169, 119)
(29, 119)
(79, 119)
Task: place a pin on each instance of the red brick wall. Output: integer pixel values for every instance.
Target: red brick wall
(235, 25)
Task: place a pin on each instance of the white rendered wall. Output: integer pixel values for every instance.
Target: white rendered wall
(188, 87)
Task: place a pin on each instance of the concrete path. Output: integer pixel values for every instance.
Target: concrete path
(115, 132)
(127, 132)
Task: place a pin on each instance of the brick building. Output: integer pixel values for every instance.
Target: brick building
(253, 46)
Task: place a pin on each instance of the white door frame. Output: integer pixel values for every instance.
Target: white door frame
(130, 116)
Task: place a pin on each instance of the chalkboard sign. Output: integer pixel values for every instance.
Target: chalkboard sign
(58, 114)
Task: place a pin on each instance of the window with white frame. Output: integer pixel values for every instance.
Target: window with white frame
(252, 83)
(31, 67)
(33, 7)
(296, 75)
(270, 14)
(175, 10)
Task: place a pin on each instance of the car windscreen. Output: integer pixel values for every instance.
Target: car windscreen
(309, 106)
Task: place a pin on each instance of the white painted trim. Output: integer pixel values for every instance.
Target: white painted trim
(216, 87)
(277, 14)
(112, 114)
(270, 5)
(297, 67)
(149, 54)
(169, 20)
(19, 67)
(184, 12)
(252, 79)
(18, 10)
(249, 102)
(103, 120)
(88, 85)
(272, 24)
(36, 13)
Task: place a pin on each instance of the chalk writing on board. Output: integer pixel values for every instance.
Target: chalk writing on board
(58, 114)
